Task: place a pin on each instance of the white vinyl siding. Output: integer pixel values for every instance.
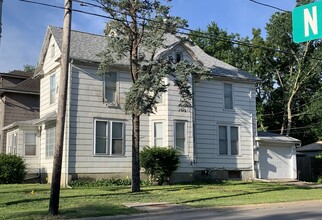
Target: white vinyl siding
(228, 140)
(109, 138)
(30, 144)
(158, 134)
(228, 96)
(52, 96)
(110, 88)
(50, 141)
(180, 136)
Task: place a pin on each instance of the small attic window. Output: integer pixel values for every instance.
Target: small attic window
(170, 58)
(178, 57)
(52, 50)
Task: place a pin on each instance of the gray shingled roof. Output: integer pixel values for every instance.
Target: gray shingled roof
(317, 146)
(29, 85)
(17, 74)
(272, 137)
(86, 47)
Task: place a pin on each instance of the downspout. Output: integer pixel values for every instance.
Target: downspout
(252, 122)
(193, 115)
(67, 141)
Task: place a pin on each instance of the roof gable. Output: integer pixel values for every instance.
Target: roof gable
(86, 47)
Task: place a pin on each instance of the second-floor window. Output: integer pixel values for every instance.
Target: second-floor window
(52, 95)
(158, 134)
(110, 88)
(228, 96)
(228, 140)
(109, 137)
(30, 144)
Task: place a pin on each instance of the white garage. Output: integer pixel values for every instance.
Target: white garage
(275, 156)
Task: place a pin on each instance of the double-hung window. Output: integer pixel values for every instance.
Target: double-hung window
(12, 143)
(228, 96)
(158, 134)
(110, 88)
(52, 92)
(30, 144)
(180, 136)
(50, 141)
(109, 137)
(228, 140)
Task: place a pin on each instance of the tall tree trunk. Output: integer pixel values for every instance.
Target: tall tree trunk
(135, 153)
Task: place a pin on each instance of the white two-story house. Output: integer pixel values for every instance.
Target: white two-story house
(215, 137)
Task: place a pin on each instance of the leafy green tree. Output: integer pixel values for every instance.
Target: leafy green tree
(29, 68)
(137, 32)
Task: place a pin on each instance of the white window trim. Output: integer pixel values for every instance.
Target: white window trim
(153, 134)
(24, 143)
(116, 102)
(46, 150)
(11, 149)
(223, 96)
(109, 133)
(51, 102)
(228, 129)
(185, 150)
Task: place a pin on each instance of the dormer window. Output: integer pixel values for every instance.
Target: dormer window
(178, 57)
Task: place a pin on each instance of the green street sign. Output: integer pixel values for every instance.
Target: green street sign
(307, 22)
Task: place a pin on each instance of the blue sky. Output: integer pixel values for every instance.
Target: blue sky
(24, 24)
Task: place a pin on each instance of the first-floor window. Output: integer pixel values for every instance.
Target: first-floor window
(109, 137)
(158, 134)
(12, 143)
(30, 144)
(50, 141)
(228, 140)
(180, 134)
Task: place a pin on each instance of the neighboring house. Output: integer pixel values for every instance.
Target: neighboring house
(309, 167)
(19, 102)
(275, 156)
(215, 137)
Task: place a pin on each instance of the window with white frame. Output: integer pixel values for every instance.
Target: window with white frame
(158, 134)
(109, 137)
(228, 96)
(52, 91)
(110, 88)
(52, 51)
(30, 144)
(12, 143)
(228, 140)
(180, 136)
(50, 141)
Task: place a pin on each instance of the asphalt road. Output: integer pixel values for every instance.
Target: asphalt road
(311, 210)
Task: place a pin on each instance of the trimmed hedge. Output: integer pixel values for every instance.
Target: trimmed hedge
(159, 162)
(12, 169)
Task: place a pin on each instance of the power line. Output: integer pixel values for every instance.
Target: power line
(269, 6)
(192, 32)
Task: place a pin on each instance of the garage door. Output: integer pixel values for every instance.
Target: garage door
(275, 162)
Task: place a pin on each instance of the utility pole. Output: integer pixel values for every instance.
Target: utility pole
(0, 19)
(60, 121)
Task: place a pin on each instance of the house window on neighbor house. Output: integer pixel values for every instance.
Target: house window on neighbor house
(178, 57)
(180, 136)
(110, 88)
(52, 92)
(12, 143)
(50, 141)
(158, 134)
(228, 140)
(30, 144)
(109, 138)
(228, 96)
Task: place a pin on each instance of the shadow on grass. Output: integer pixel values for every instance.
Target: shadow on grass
(75, 212)
(258, 191)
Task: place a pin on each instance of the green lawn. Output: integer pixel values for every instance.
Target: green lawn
(31, 201)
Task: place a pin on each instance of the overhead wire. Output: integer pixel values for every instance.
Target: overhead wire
(193, 33)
